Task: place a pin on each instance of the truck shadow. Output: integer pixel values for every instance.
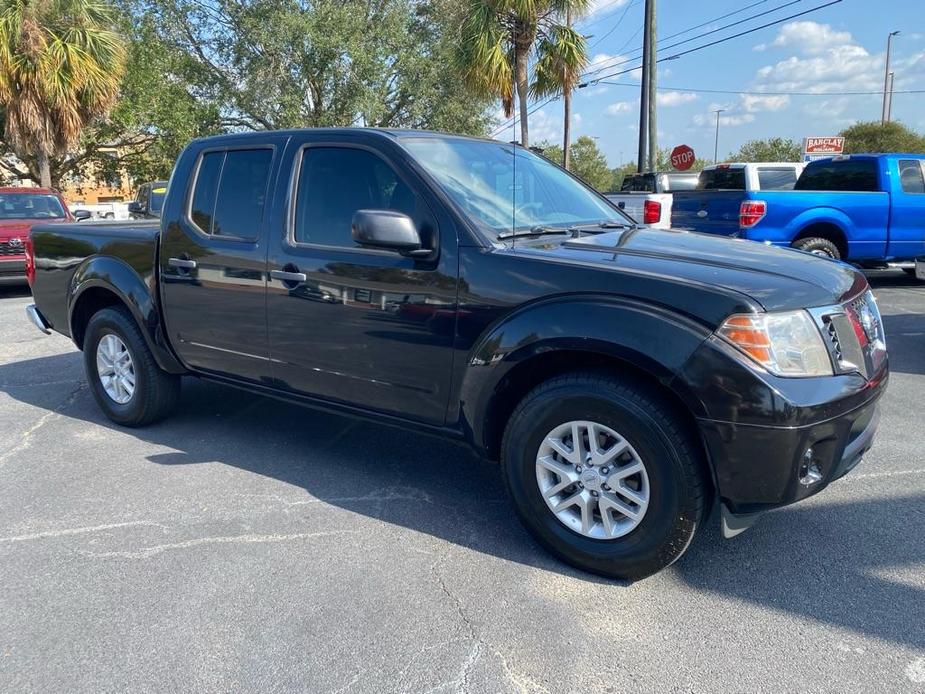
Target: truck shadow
(826, 562)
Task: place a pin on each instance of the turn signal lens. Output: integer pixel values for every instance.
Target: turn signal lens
(786, 344)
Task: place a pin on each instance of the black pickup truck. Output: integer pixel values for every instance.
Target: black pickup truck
(628, 380)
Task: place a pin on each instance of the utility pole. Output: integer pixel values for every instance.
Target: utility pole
(885, 113)
(647, 67)
(653, 81)
(567, 101)
(716, 141)
(889, 101)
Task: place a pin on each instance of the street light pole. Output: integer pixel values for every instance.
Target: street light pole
(716, 141)
(885, 113)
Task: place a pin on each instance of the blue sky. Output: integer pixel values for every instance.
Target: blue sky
(837, 49)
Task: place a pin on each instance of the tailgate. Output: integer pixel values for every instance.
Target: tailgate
(707, 211)
(634, 205)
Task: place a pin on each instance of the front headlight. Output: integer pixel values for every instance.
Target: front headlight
(786, 343)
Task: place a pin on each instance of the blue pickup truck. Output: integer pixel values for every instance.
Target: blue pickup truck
(864, 208)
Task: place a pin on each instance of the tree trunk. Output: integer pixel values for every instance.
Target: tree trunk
(41, 158)
(520, 76)
(567, 130)
(567, 110)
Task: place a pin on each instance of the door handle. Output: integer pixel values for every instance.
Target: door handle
(182, 263)
(285, 276)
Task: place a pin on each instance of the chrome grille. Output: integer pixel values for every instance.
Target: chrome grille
(853, 333)
(7, 248)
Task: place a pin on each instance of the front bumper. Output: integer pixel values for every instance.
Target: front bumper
(774, 441)
(13, 271)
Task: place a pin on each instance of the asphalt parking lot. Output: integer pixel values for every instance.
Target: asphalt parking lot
(249, 545)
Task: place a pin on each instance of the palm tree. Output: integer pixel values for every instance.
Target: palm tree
(61, 62)
(497, 39)
(563, 56)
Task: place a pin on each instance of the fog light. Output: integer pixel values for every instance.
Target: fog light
(809, 470)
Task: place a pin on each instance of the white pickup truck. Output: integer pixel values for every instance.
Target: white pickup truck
(646, 197)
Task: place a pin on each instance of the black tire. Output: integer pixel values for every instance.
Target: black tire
(819, 246)
(677, 475)
(156, 391)
(909, 271)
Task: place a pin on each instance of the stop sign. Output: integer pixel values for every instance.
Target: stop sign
(682, 157)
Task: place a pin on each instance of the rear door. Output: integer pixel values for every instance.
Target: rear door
(907, 218)
(364, 327)
(213, 259)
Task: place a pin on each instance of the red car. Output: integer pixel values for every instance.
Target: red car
(20, 209)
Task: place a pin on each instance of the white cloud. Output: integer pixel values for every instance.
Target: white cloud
(675, 98)
(753, 103)
(602, 64)
(619, 107)
(544, 127)
(810, 37)
(605, 6)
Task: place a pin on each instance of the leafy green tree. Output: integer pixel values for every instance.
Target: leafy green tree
(588, 162)
(498, 37)
(284, 63)
(563, 57)
(772, 149)
(888, 137)
(61, 62)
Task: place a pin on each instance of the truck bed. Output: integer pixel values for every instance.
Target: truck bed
(65, 255)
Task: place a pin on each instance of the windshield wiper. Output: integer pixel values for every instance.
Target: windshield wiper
(613, 224)
(533, 231)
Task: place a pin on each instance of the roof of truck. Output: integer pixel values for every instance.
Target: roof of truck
(395, 133)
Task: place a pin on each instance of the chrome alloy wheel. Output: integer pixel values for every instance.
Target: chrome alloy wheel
(592, 479)
(115, 368)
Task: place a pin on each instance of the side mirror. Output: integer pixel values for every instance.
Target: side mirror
(134, 207)
(81, 215)
(387, 230)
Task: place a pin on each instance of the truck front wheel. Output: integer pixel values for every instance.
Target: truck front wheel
(818, 246)
(126, 382)
(604, 475)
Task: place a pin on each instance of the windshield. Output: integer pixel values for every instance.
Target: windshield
(31, 206)
(507, 188)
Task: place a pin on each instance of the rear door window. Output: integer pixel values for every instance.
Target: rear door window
(857, 175)
(722, 179)
(779, 178)
(911, 177)
(230, 192)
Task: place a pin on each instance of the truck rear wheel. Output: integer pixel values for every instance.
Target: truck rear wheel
(818, 246)
(603, 475)
(126, 382)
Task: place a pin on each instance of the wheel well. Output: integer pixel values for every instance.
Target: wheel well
(91, 301)
(531, 372)
(826, 231)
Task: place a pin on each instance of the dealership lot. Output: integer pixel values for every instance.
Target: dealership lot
(250, 545)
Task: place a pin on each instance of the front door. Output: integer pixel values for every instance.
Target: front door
(364, 327)
(213, 262)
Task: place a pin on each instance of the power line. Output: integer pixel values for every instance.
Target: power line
(693, 38)
(675, 56)
(510, 122)
(615, 26)
(717, 41)
(754, 93)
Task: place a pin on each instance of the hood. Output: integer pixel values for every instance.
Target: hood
(775, 278)
(11, 228)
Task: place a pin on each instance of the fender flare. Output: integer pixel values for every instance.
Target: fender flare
(119, 278)
(650, 338)
(820, 215)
